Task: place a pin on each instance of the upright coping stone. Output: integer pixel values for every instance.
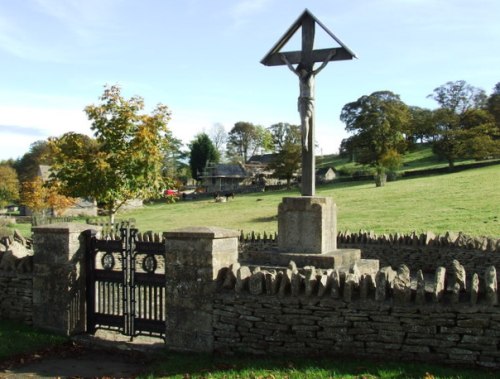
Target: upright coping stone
(194, 259)
(307, 225)
(59, 278)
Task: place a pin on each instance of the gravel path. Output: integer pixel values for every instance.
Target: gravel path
(85, 357)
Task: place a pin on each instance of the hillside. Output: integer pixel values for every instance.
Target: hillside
(420, 158)
(467, 201)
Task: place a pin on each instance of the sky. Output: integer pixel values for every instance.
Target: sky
(202, 59)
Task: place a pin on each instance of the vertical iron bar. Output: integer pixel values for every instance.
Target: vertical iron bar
(108, 297)
(133, 235)
(155, 302)
(124, 253)
(161, 302)
(145, 302)
(90, 236)
(138, 302)
(150, 317)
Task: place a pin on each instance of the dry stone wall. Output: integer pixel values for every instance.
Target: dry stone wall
(447, 317)
(424, 252)
(16, 279)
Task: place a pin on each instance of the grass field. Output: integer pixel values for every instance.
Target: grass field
(468, 202)
(218, 367)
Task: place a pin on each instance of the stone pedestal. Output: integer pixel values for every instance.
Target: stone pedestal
(59, 278)
(193, 261)
(307, 225)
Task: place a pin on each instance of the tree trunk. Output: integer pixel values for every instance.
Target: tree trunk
(380, 179)
(111, 214)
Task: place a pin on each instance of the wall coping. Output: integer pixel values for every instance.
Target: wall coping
(202, 232)
(63, 228)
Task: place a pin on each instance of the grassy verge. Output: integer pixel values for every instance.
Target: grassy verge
(24, 229)
(204, 366)
(465, 202)
(16, 339)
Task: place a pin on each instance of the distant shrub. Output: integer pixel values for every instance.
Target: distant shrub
(359, 173)
(392, 176)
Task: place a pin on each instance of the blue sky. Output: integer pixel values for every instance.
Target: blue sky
(202, 59)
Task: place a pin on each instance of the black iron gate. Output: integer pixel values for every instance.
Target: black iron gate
(126, 284)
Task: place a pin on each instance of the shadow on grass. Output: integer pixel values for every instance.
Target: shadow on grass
(265, 219)
(175, 365)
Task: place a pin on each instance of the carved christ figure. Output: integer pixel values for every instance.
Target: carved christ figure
(305, 102)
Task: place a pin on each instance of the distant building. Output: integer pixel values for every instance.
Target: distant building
(258, 166)
(224, 177)
(325, 174)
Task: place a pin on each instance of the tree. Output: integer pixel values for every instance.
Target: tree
(9, 185)
(287, 143)
(421, 126)
(27, 166)
(465, 130)
(480, 137)
(202, 152)
(245, 139)
(494, 104)
(41, 197)
(283, 133)
(125, 160)
(33, 196)
(459, 97)
(218, 136)
(379, 122)
(175, 163)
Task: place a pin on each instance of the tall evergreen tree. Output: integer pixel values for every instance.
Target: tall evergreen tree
(202, 152)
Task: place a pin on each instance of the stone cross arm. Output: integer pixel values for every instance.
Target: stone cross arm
(320, 55)
(308, 55)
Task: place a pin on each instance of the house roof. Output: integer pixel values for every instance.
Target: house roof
(324, 170)
(262, 159)
(44, 172)
(225, 171)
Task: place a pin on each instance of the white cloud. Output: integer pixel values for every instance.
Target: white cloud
(24, 125)
(51, 120)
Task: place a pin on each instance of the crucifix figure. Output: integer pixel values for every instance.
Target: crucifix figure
(305, 103)
(305, 60)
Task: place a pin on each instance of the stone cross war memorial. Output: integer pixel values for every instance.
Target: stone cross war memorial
(202, 290)
(305, 60)
(307, 224)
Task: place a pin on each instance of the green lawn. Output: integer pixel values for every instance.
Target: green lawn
(17, 338)
(467, 202)
(204, 366)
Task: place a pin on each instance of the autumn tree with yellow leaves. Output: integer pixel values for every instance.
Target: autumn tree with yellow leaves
(42, 198)
(123, 162)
